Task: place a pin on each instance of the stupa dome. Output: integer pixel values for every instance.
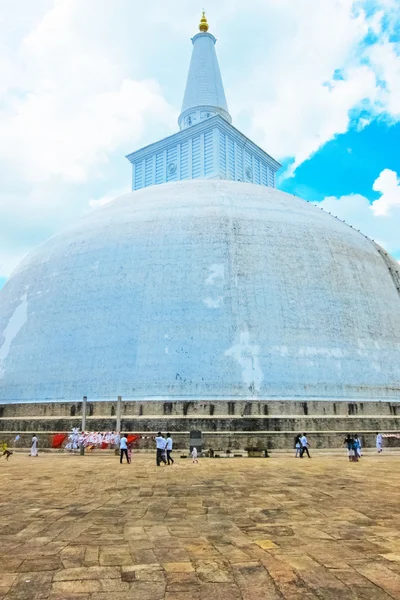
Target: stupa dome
(202, 289)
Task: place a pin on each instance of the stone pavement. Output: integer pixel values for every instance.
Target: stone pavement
(82, 528)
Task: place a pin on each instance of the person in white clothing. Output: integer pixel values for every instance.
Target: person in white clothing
(379, 442)
(357, 446)
(297, 445)
(160, 449)
(123, 447)
(34, 451)
(168, 448)
(194, 455)
(75, 439)
(304, 446)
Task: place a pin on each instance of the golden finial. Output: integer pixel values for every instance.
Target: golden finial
(203, 23)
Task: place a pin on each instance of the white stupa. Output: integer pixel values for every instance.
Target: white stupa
(211, 285)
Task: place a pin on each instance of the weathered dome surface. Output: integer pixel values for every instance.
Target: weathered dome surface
(202, 290)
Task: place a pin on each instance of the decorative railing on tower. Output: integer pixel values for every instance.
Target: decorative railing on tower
(207, 145)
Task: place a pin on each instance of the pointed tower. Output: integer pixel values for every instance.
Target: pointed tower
(204, 94)
(207, 145)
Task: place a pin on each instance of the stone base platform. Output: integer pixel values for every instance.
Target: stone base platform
(224, 424)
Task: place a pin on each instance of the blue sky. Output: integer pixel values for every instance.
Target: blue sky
(349, 163)
(316, 84)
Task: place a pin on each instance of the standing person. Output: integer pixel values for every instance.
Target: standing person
(304, 446)
(34, 451)
(75, 439)
(160, 448)
(379, 442)
(355, 450)
(168, 447)
(117, 439)
(349, 441)
(130, 444)
(123, 449)
(194, 455)
(357, 444)
(81, 440)
(297, 445)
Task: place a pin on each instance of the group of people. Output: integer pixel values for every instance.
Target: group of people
(163, 449)
(301, 445)
(33, 452)
(92, 439)
(353, 443)
(112, 439)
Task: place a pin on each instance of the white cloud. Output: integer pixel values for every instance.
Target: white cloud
(45, 138)
(316, 72)
(385, 59)
(84, 83)
(69, 105)
(388, 185)
(379, 220)
(68, 100)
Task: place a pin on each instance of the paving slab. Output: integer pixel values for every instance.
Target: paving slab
(87, 528)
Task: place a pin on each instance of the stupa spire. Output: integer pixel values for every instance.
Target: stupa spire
(203, 23)
(208, 146)
(204, 94)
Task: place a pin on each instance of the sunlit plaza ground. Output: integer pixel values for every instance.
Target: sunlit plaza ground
(75, 527)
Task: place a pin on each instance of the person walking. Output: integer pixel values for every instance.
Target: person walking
(349, 441)
(194, 455)
(160, 449)
(379, 442)
(123, 449)
(130, 452)
(304, 446)
(357, 444)
(355, 450)
(34, 451)
(297, 445)
(168, 447)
